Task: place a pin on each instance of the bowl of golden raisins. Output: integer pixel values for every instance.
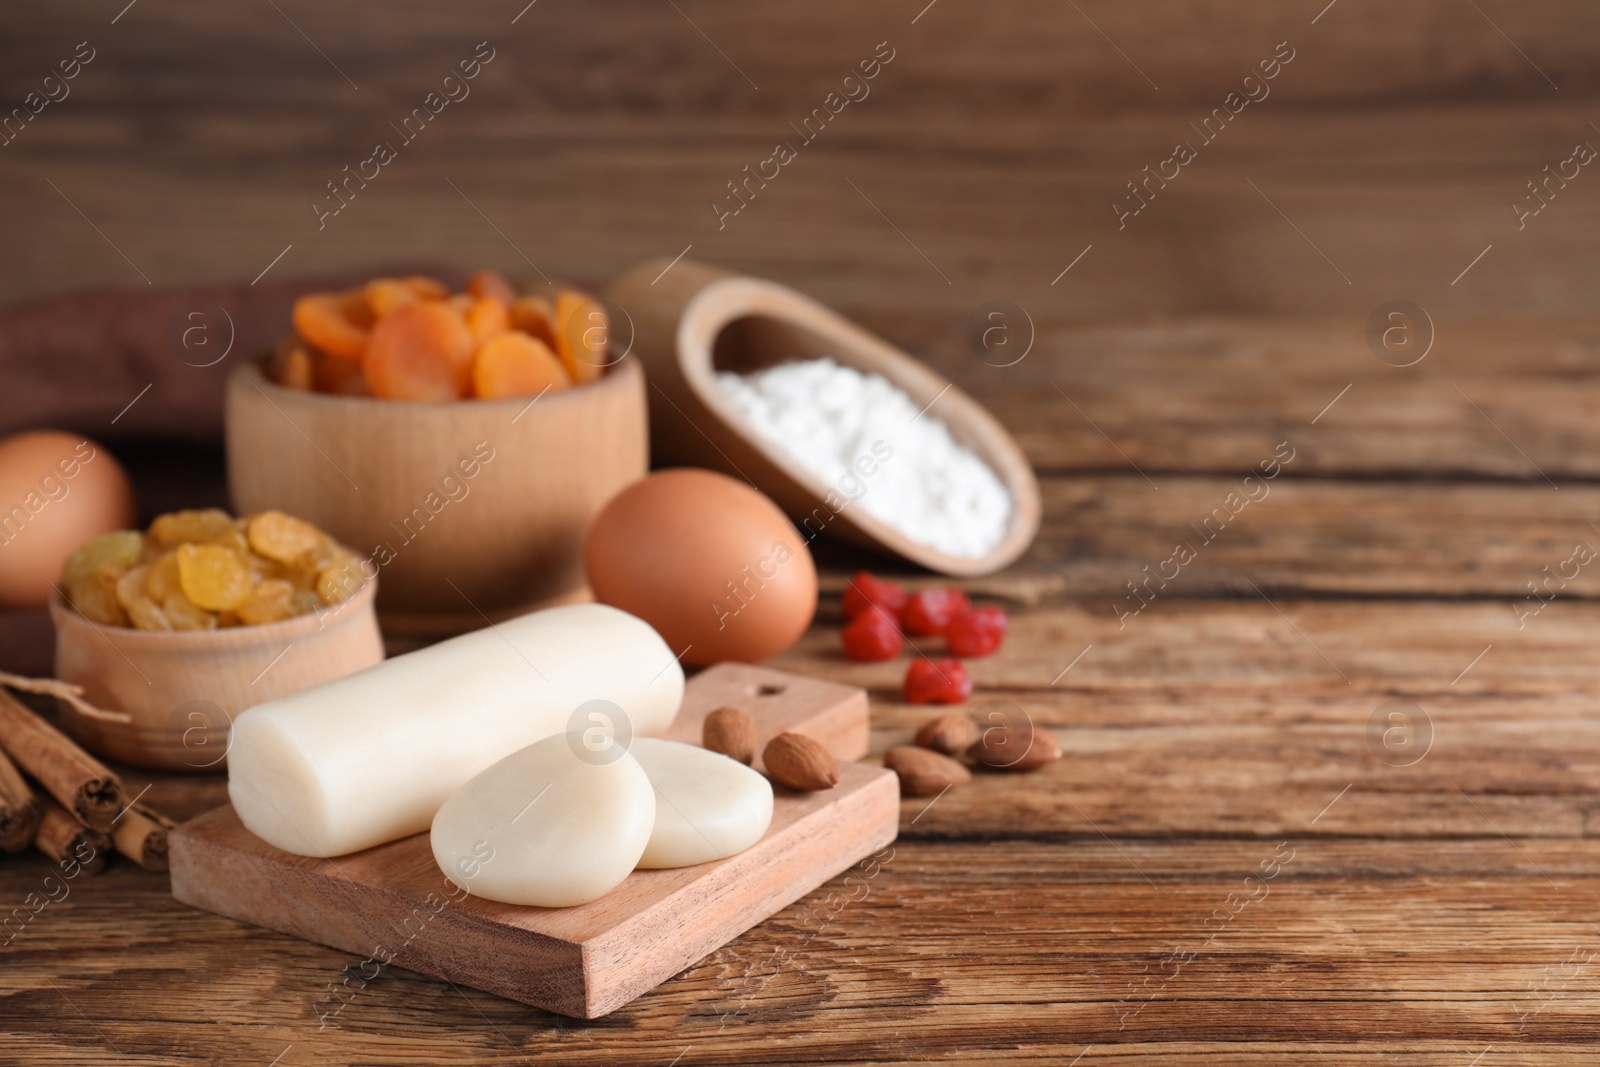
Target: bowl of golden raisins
(180, 627)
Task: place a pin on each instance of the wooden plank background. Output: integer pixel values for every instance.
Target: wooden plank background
(1440, 911)
(996, 141)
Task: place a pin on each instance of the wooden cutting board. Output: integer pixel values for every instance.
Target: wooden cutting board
(391, 904)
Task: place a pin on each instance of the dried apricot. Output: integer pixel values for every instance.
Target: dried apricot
(488, 318)
(582, 334)
(515, 364)
(296, 370)
(213, 577)
(339, 376)
(283, 537)
(421, 352)
(385, 296)
(532, 315)
(425, 287)
(492, 284)
(269, 601)
(334, 323)
(198, 524)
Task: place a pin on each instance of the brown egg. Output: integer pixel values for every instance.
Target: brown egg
(712, 564)
(57, 490)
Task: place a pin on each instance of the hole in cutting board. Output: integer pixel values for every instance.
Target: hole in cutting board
(768, 690)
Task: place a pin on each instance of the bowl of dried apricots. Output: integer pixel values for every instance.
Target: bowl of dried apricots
(461, 440)
(172, 631)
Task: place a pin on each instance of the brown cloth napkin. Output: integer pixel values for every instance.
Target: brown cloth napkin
(76, 361)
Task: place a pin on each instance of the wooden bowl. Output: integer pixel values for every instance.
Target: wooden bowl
(180, 690)
(473, 510)
(694, 320)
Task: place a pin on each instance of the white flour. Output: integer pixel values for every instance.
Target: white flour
(827, 417)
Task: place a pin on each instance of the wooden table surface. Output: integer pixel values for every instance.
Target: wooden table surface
(1242, 856)
(1327, 796)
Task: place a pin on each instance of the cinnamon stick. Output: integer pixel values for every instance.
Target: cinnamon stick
(19, 809)
(70, 843)
(64, 691)
(141, 835)
(82, 784)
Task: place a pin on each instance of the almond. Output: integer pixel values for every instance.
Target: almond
(730, 732)
(800, 763)
(924, 773)
(951, 733)
(1015, 747)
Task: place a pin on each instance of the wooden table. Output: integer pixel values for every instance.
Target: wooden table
(1433, 910)
(1323, 799)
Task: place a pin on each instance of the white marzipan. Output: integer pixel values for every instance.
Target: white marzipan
(370, 758)
(708, 807)
(551, 825)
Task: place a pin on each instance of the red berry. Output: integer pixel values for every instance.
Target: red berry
(929, 611)
(873, 635)
(944, 682)
(976, 631)
(864, 591)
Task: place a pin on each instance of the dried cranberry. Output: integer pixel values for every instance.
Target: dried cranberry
(944, 682)
(872, 635)
(976, 631)
(929, 611)
(864, 591)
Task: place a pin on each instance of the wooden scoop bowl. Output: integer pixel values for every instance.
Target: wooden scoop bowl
(692, 320)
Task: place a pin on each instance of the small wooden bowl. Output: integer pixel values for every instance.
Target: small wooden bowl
(387, 478)
(694, 320)
(182, 689)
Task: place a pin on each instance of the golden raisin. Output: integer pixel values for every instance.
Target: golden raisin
(131, 586)
(146, 614)
(233, 539)
(201, 524)
(118, 550)
(162, 579)
(213, 577)
(186, 615)
(269, 601)
(95, 597)
(283, 537)
(340, 580)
